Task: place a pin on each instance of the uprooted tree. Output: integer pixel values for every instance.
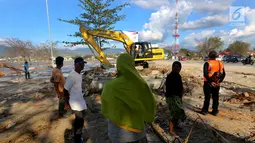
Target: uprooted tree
(209, 44)
(98, 14)
(239, 48)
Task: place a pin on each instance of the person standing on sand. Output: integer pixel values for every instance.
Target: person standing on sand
(58, 80)
(73, 93)
(214, 74)
(127, 102)
(26, 70)
(174, 92)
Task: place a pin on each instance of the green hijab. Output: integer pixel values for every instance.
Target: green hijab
(127, 100)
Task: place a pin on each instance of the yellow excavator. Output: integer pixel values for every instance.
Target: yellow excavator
(140, 51)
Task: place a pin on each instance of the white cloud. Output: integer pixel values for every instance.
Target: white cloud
(206, 22)
(211, 7)
(250, 15)
(245, 33)
(203, 6)
(150, 4)
(2, 42)
(194, 39)
(70, 47)
(248, 30)
(160, 24)
(147, 35)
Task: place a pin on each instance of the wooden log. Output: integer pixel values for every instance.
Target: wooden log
(167, 138)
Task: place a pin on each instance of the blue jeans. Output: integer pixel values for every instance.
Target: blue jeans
(119, 135)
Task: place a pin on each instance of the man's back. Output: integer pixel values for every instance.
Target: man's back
(74, 87)
(26, 67)
(57, 77)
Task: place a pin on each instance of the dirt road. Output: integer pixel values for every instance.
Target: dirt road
(237, 73)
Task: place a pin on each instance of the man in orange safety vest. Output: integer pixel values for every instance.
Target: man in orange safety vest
(214, 74)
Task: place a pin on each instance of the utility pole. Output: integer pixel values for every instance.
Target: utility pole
(51, 46)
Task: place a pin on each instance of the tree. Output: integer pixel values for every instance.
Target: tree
(98, 14)
(253, 49)
(184, 52)
(239, 48)
(19, 48)
(43, 51)
(210, 44)
(187, 53)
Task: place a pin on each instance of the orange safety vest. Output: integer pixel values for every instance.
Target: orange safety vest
(214, 66)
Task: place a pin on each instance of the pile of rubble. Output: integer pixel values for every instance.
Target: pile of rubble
(94, 79)
(246, 98)
(196, 81)
(154, 71)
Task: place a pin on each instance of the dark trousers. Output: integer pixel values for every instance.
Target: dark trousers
(208, 91)
(78, 125)
(27, 75)
(61, 106)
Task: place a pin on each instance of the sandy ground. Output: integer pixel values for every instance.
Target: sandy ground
(234, 121)
(28, 110)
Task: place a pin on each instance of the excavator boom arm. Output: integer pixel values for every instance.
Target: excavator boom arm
(113, 35)
(90, 39)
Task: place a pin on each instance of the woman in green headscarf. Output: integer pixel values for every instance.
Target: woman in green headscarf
(128, 103)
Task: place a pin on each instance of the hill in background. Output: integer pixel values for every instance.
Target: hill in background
(86, 51)
(76, 52)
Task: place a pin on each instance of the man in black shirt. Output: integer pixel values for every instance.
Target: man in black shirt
(174, 92)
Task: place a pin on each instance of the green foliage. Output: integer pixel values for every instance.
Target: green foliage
(98, 14)
(210, 44)
(187, 53)
(239, 48)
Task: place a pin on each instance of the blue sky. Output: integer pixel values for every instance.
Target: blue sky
(153, 19)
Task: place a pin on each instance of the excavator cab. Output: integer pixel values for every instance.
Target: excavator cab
(141, 52)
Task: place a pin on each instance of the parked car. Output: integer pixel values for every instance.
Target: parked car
(240, 58)
(232, 59)
(218, 59)
(182, 58)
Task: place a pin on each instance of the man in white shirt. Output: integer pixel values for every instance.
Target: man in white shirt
(73, 93)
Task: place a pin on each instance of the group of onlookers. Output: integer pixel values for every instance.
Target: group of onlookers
(128, 102)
